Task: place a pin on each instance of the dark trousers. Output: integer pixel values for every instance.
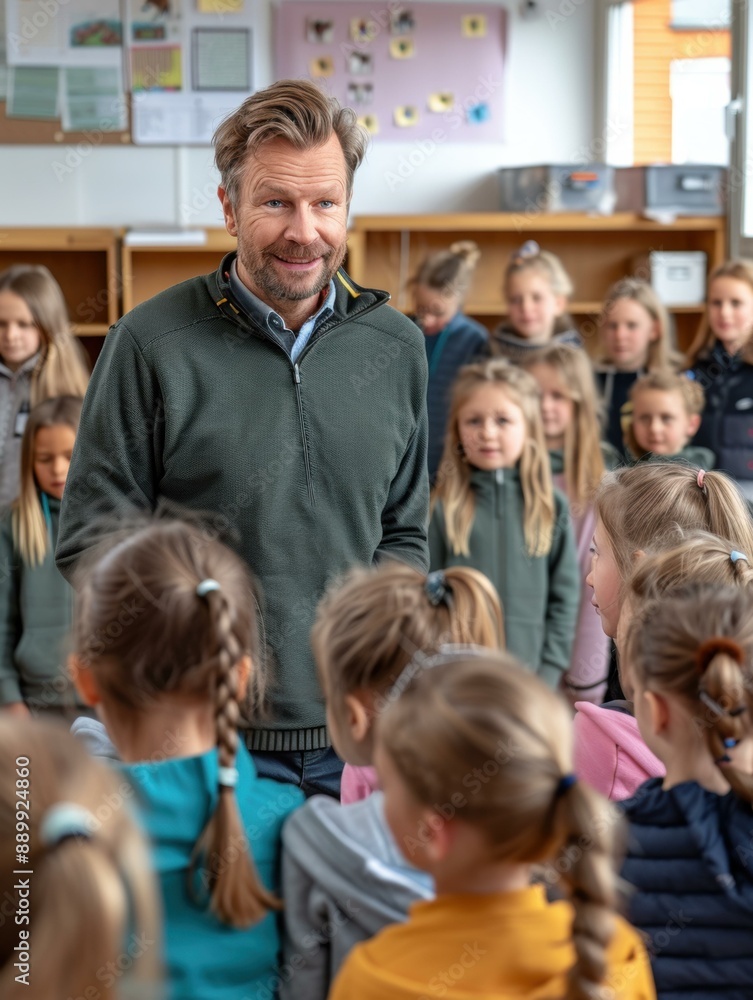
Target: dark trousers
(316, 772)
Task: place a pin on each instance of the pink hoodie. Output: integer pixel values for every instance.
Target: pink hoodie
(609, 752)
(357, 783)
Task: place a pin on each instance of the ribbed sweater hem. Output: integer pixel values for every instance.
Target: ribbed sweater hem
(284, 740)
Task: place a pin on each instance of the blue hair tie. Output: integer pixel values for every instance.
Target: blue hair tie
(737, 556)
(437, 589)
(206, 587)
(565, 783)
(64, 820)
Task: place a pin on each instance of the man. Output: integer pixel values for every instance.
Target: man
(275, 395)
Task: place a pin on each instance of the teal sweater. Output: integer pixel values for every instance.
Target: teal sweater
(35, 618)
(206, 960)
(309, 467)
(540, 595)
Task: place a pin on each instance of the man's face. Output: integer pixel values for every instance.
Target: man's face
(290, 219)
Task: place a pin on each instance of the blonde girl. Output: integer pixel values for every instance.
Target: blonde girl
(665, 414)
(721, 361)
(495, 509)
(635, 338)
(342, 859)
(537, 289)
(39, 359)
(639, 509)
(93, 900)
(35, 600)
(691, 663)
(609, 751)
(165, 645)
(569, 411)
(474, 755)
(452, 339)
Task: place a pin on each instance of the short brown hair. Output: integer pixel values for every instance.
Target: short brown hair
(294, 110)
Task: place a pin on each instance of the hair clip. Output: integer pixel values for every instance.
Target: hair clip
(737, 556)
(227, 777)
(437, 589)
(529, 249)
(448, 653)
(206, 587)
(700, 478)
(709, 702)
(724, 759)
(65, 820)
(730, 743)
(718, 644)
(565, 783)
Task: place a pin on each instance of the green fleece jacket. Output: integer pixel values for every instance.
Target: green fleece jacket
(314, 466)
(540, 595)
(35, 618)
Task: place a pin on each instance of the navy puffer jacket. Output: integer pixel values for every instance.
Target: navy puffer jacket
(690, 858)
(727, 426)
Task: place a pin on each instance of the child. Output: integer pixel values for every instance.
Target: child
(569, 411)
(165, 644)
(474, 755)
(39, 358)
(635, 340)
(537, 289)
(609, 752)
(640, 509)
(452, 339)
(82, 907)
(689, 857)
(665, 414)
(498, 512)
(721, 361)
(340, 866)
(35, 600)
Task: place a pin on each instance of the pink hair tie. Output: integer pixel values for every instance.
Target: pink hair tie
(701, 477)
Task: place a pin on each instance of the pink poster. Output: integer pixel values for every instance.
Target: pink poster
(410, 71)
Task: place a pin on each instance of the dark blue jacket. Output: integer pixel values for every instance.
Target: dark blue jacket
(727, 426)
(460, 343)
(690, 858)
(614, 387)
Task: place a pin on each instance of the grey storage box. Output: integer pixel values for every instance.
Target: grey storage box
(674, 189)
(585, 187)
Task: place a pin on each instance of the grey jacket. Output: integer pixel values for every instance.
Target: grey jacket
(343, 880)
(15, 397)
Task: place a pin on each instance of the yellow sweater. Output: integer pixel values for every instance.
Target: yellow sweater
(486, 947)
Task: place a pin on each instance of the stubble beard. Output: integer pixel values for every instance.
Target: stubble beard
(259, 267)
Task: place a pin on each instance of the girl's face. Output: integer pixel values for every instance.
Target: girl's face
(492, 429)
(628, 331)
(434, 308)
(605, 580)
(661, 422)
(557, 408)
(532, 306)
(53, 447)
(730, 311)
(20, 337)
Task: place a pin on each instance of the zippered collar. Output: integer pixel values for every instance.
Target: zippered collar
(351, 302)
(26, 368)
(489, 481)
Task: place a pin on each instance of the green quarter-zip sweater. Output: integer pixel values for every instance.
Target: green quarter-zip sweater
(540, 595)
(315, 466)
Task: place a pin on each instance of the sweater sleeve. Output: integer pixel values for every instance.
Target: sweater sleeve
(10, 617)
(406, 513)
(563, 598)
(117, 458)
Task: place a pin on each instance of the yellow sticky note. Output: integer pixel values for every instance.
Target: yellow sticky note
(406, 115)
(402, 48)
(322, 66)
(474, 25)
(441, 101)
(370, 123)
(220, 6)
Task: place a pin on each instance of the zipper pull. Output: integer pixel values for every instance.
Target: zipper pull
(296, 375)
(499, 475)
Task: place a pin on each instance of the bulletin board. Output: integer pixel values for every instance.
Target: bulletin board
(413, 72)
(159, 72)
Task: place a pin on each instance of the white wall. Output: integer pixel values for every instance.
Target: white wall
(550, 102)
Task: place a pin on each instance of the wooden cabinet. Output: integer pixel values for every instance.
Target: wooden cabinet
(385, 251)
(150, 269)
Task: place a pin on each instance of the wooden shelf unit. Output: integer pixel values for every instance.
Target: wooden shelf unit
(386, 250)
(148, 270)
(84, 262)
